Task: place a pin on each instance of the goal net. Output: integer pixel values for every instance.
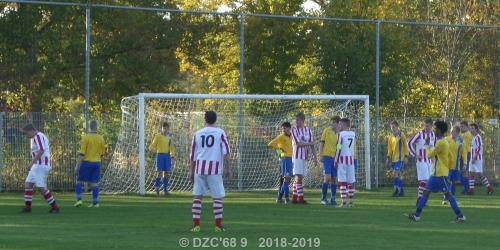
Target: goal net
(250, 122)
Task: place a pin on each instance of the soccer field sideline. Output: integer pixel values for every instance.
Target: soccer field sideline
(253, 218)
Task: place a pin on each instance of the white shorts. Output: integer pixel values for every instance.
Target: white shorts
(214, 183)
(38, 175)
(476, 167)
(346, 173)
(424, 170)
(299, 167)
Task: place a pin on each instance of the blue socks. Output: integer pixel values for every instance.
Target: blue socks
(324, 190)
(78, 191)
(165, 185)
(452, 188)
(465, 183)
(454, 206)
(95, 195)
(421, 205)
(333, 187)
(158, 184)
(286, 189)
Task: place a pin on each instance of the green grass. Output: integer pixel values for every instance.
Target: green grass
(135, 222)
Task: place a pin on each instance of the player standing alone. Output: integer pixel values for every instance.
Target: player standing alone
(397, 150)
(476, 161)
(38, 168)
(283, 143)
(209, 153)
(302, 139)
(164, 144)
(344, 162)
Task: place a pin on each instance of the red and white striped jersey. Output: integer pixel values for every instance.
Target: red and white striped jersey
(476, 147)
(345, 147)
(209, 146)
(416, 145)
(303, 134)
(40, 142)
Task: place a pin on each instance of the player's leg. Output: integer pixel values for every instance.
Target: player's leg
(200, 187)
(422, 176)
(28, 192)
(473, 169)
(299, 171)
(350, 178)
(342, 178)
(451, 199)
(95, 178)
(217, 192)
(166, 174)
(333, 184)
(160, 167)
(396, 168)
(83, 176)
(41, 174)
(400, 184)
(432, 186)
(465, 176)
(484, 179)
(327, 177)
(281, 187)
(287, 174)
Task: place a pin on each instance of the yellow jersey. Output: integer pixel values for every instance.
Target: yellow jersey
(467, 137)
(329, 138)
(457, 151)
(439, 154)
(283, 142)
(92, 147)
(397, 147)
(164, 144)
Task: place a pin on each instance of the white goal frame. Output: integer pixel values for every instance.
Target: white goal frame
(141, 116)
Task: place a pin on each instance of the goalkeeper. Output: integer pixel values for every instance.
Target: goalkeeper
(283, 144)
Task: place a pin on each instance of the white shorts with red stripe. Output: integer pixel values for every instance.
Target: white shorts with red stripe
(299, 167)
(476, 167)
(346, 173)
(38, 175)
(424, 170)
(214, 183)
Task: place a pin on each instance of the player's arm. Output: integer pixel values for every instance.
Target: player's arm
(172, 148)
(154, 143)
(274, 143)
(192, 163)
(339, 149)
(433, 152)
(463, 155)
(81, 154)
(405, 152)
(227, 166)
(389, 150)
(411, 144)
(321, 146)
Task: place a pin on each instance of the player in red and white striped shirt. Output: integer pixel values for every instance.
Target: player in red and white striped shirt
(209, 152)
(38, 168)
(344, 162)
(416, 146)
(476, 160)
(302, 140)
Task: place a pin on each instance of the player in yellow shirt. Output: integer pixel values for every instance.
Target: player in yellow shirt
(467, 137)
(88, 164)
(438, 180)
(397, 152)
(164, 144)
(327, 150)
(458, 153)
(284, 143)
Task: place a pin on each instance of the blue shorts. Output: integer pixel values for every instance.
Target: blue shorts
(355, 164)
(90, 172)
(328, 166)
(438, 184)
(163, 162)
(286, 167)
(397, 166)
(462, 162)
(454, 175)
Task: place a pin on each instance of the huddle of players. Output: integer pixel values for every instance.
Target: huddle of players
(337, 152)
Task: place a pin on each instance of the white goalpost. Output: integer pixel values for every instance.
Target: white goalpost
(250, 121)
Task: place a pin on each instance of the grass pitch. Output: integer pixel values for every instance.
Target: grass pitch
(253, 221)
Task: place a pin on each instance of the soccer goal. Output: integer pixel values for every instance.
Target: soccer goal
(250, 122)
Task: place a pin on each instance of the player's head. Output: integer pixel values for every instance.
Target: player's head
(474, 129)
(440, 128)
(464, 126)
(93, 125)
(354, 128)
(335, 122)
(165, 126)
(286, 127)
(428, 125)
(455, 131)
(394, 127)
(299, 119)
(210, 117)
(344, 124)
(29, 130)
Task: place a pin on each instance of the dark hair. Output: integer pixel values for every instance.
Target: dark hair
(428, 121)
(165, 124)
(335, 119)
(345, 121)
(28, 127)
(301, 116)
(210, 117)
(456, 129)
(93, 125)
(395, 123)
(442, 126)
(286, 125)
(464, 123)
(475, 126)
